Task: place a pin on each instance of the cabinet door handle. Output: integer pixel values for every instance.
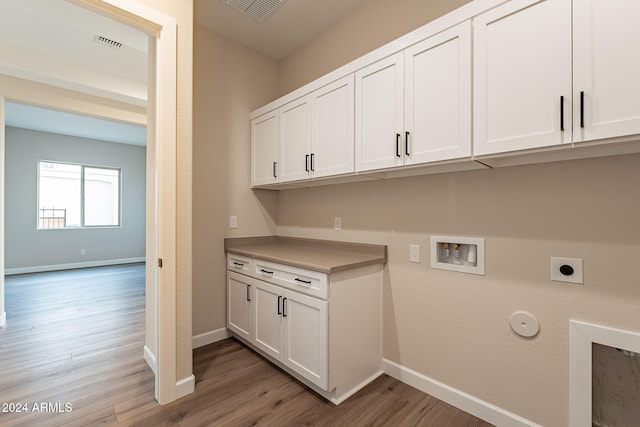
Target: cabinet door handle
(582, 109)
(561, 113)
(312, 168)
(274, 169)
(262, 270)
(279, 310)
(306, 163)
(284, 307)
(406, 143)
(308, 282)
(248, 292)
(398, 145)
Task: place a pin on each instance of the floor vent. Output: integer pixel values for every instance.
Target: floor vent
(107, 42)
(260, 10)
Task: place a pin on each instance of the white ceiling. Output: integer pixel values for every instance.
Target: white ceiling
(52, 42)
(292, 25)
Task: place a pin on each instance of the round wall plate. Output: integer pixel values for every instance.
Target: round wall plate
(524, 324)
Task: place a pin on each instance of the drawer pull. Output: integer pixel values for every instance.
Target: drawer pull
(238, 264)
(262, 270)
(307, 282)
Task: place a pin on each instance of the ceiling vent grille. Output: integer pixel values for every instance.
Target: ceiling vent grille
(107, 42)
(260, 10)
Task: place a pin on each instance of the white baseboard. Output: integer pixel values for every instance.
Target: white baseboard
(3, 319)
(459, 399)
(71, 266)
(210, 337)
(150, 358)
(185, 386)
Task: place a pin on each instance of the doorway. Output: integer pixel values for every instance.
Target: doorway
(160, 335)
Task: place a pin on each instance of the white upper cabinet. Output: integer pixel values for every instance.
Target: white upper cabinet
(264, 149)
(379, 114)
(332, 127)
(415, 106)
(522, 76)
(606, 66)
(438, 97)
(295, 140)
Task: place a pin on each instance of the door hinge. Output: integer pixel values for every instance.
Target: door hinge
(160, 262)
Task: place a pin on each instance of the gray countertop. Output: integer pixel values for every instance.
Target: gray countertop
(325, 256)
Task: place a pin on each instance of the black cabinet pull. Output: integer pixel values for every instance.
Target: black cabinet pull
(581, 109)
(308, 282)
(397, 145)
(312, 168)
(406, 143)
(238, 264)
(248, 292)
(561, 113)
(306, 163)
(262, 270)
(279, 299)
(274, 169)
(284, 307)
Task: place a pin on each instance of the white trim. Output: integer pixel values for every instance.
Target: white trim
(3, 319)
(459, 399)
(582, 335)
(150, 358)
(338, 400)
(71, 266)
(185, 386)
(210, 337)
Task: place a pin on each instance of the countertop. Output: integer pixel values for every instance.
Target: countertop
(325, 256)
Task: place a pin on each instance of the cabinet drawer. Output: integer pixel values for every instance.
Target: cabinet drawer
(298, 279)
(239, 264)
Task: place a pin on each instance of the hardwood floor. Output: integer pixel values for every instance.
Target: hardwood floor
(76, 338)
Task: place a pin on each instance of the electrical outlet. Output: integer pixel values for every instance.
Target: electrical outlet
(233, 221)
(567, 270)
(83, 251)
(337, 223)
(414, 253)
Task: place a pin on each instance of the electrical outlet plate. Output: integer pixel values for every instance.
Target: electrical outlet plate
(337, 223)
(414, 253)
(575, 263)
(233, 221)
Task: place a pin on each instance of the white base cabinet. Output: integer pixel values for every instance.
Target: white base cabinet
(325, 329)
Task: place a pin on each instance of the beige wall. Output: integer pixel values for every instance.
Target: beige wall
(454, 327)
(229, 82)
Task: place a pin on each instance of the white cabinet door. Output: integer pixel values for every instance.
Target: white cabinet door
(267, 319)
(305, 336)
(295, 140)
(606, 68)
(264, 149)
(438, 97)
(332, 142)
(522, 75)
(239, 305)
(379, 114)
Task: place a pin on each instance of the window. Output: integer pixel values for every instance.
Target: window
(71, 196)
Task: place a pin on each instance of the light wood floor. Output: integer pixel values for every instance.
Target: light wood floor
(76, 338)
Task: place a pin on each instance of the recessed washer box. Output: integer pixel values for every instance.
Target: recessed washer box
(455, 253)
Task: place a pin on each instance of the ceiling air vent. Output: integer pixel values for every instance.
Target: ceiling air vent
(107, 42)
(260, 10)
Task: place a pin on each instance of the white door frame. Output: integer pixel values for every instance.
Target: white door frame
(160, 337)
